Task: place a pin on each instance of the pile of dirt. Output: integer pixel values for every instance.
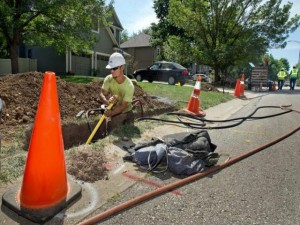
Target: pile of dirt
(21, 92)
(87, 165)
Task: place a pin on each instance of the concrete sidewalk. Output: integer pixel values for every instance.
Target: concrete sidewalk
(121, 174)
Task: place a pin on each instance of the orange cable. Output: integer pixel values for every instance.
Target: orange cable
(180, 183)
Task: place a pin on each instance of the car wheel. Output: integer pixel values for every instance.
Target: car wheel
(171, 80)
(139, 78)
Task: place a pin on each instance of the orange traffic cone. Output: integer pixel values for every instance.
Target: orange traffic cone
(46, 153)
(194, 102)
(237, 88)
(44, 188)
(274, 86)
(242, 85)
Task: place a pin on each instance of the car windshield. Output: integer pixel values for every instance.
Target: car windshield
(178, 66)
(154, 67)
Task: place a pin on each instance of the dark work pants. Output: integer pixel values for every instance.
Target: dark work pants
(280, 84)
(292, 83)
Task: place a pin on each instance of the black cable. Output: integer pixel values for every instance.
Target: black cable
(201, 126)
(168, 121)
(228, 120)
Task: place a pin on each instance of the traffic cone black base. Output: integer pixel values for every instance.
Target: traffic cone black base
(200, 112)
(11, 200)
(45, 189)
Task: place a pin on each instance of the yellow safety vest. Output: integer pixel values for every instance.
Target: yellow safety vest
(294, 73)
(281, 75)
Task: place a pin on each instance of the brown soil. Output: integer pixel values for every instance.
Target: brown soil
(20, 94)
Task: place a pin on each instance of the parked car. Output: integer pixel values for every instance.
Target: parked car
(286, 83)
(170, 72)
(204, 77)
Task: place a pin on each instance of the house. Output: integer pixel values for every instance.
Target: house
(68, 63)
(142, 54)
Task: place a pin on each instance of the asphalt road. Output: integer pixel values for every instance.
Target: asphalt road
(261, 189)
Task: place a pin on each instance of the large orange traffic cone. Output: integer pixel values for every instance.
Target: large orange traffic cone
(242, 85)
(194, 102)
(45, 162)
(44, 188)
(237, 88)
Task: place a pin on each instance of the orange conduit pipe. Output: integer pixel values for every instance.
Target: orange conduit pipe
(179, 183)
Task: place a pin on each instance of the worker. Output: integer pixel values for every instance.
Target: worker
(293, 78)
(281, 75)
(118, 89)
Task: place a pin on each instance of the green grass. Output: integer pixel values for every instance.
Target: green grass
(79, 79)
(180, 95)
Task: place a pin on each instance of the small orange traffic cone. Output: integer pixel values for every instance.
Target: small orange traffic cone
(44, 188)
(237, 88)
(194, 102)
(242, 85)
(274, 86)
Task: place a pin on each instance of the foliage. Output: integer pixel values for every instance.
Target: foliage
(59, 24)
(124, 36)
(225, 33)
(177, 50)
(275, 65)
(165, 28)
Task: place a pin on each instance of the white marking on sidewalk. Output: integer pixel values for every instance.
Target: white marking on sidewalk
(119, 169)
(93, 201)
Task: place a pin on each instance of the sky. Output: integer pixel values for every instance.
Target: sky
(136, 15)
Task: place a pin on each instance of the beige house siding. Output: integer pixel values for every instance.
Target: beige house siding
(141, 57)
(144, 56)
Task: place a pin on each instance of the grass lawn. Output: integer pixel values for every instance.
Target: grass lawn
(179, 95)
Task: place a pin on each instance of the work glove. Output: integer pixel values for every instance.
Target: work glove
(113, 99)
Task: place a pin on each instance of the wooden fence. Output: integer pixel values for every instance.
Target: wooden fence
(25, 65)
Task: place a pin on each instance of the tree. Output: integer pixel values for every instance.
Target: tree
(60, 24)
(226, 33)
(124, 36)
(165, 28)
(177, 50)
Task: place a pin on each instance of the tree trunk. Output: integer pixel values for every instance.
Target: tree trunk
(14, 54)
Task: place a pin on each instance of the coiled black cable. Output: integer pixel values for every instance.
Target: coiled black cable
(203, 120)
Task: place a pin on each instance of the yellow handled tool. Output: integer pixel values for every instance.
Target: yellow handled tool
(98, 125)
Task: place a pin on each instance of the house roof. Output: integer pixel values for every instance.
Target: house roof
(140, 40)
(118, 23)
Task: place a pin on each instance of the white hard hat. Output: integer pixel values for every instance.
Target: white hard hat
(115, 60)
